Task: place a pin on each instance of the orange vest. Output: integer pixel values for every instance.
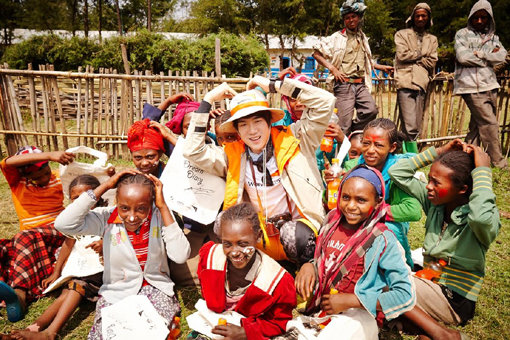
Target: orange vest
(286, 146)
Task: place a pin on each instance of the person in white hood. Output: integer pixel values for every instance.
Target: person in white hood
(477, 50)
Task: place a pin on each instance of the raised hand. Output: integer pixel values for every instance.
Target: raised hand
(480, 157)
(288, 71)
(258, 81)
(62, 157)
(453, 145)
(219, 92)
(178, 97)
(159, 200)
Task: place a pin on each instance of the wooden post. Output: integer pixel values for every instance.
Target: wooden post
(10, 140)
(86, 116)
(115, 112)
(100, 109)
(56, 92)
(138, 97)
(78, 111)
(45, 107)
(150, 97)
(92, 107)
(217, 57)
(33, 104)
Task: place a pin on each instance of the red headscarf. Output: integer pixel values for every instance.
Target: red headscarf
(184, 107)
(141, 136)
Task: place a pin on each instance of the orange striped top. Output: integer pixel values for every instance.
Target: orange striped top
(35, 206)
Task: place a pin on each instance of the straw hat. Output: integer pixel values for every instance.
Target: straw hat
(248, 103)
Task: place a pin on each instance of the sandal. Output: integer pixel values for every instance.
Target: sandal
(13, 305)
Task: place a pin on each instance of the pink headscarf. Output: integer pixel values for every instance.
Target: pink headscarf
(304, 79)
(184, 107)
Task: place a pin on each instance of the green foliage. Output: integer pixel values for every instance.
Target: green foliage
(378, 26)
(240, 55)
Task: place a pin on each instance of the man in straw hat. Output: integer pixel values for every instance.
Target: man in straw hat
(271, 167)
(415, 59)
(347, 55)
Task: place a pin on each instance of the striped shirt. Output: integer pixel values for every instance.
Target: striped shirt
(35, 206)
(140, 241)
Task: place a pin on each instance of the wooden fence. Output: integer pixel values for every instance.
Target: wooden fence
(57, 110)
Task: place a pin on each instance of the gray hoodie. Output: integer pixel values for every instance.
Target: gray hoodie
(475, 57)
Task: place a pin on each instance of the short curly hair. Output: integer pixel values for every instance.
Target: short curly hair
(239, 212)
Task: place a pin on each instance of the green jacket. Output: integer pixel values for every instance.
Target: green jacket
(464, 242)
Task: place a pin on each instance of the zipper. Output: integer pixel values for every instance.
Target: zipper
(443, 229)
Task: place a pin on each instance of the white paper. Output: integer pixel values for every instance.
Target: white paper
(80, 263)
(190, 190)
(97, 169)
(133, 318)
(417, 256)
(344, 149)
(204, 319)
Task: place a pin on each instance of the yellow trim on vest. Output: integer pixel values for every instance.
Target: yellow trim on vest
(249, 104)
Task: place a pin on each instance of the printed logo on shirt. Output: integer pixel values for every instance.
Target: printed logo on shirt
(338, 246)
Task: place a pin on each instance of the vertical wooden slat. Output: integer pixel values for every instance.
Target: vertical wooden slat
(56, 93)
(115, 127)
(52, 109)
(45, 107)
(78, 111)
(33, 103)
(10, 140)
(92, 106)
(138, 97)
(100, 104)
(150, 96)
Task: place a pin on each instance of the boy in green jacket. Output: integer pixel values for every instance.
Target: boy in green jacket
(462, 222)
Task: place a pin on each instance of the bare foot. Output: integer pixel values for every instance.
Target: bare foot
(27, 335)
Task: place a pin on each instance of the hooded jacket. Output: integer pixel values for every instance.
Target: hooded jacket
(475, 73)
(414, 64)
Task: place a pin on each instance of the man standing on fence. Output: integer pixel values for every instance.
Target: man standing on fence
(347, 55)
(415, 59)
(477, 50)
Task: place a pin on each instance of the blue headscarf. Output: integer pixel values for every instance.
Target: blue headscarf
(390, 160)
(368, 174)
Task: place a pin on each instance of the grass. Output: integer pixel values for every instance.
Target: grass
(491, 320)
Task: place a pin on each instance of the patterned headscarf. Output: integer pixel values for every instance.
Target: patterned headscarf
(355, 247)
(184, 107)
(142, 136)
(30, 168)
(353, 6)
(304, 79)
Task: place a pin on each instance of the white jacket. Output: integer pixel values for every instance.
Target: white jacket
(333, 49)
(122, 274)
